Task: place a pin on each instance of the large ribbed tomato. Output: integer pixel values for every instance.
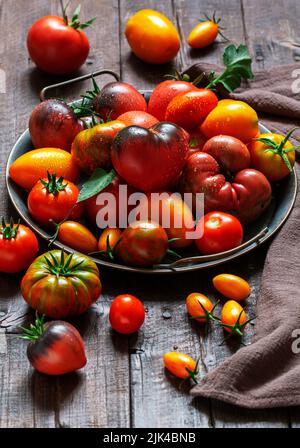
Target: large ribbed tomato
(60, 285)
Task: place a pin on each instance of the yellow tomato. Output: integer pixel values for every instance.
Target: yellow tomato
(232, 286)
(181, 365)
(204, 34)
(195, 310)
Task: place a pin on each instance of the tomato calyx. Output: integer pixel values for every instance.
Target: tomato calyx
(237, 328)
(75, 22)
(35, 330)
(110, 251)
(209, 315)
(9, 230)
(53, 184)
(177, 76)
(193, 373)
(61, 267)
(279, 148)
(217, 22)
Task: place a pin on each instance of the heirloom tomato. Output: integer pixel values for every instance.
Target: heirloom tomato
(77, 236)
(126, 314)
(138, 118)
(181, 365)
(231, 154)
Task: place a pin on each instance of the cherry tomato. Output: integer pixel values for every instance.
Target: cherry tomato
(189, 109)
(54, 199)
(143, 243)
(58, 45)
(77, 236)
(199, 307)
(126, 314)
(163, 93)
(152, 36)
(231, 117)
(204, 34)
(233, 318)
(18, 247)
(116, 98)
(54, 124)
(232, 286)
(55, 347)
(108, 241)
(181, 365)
(221, 232)
(273, 155)
(138, 118)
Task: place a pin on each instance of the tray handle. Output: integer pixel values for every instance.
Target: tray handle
(46, 89)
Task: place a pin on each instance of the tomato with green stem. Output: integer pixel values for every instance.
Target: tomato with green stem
(18, 247)
(54, 348)
(200, 307)
(181, 365)
(206, 32)
(234, 319)
(273, 155)
(108, 241)
(126, 314)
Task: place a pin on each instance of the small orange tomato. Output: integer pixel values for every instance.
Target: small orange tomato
(232, 286)
(109, 238)
(77, 236)
(204, 34)
(181, 365)
(194, 308)
(233, 317)
(152, 36)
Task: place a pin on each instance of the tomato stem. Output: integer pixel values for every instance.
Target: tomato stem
(63, 267)
(237, 328)
(35, 330)
(54, 185)
(9, 230)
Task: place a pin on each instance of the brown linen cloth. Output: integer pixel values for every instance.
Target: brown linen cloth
(266, 374)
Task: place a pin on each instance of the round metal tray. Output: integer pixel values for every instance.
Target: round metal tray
(255, 234)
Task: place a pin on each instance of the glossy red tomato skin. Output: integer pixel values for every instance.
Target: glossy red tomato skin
(221, 232)
(231, 154)
(44, 206)
(150, 159)
(56, 47)
(138, 118)
(59, 350)
(53, 124)
(188, 110)
(163, 93)
(116, 98)
(143, 244)
(126, 314)
(17, 253)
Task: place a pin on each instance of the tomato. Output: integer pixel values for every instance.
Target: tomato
(234, 318)
(199, 307)
(181, 365)
(273, 155)
(221, 232)
(138, 118)
(196, 141)
(231, 154)
(54, 199)
(60, 285)
(77, 236)
(116, 98)
(91, 147)
(190, 109)
(205, 33)
(150, 159)
(163, 93)
(27, 169)
(152, 36)
(58, 45)
(108, 241)
(231, 117)
(126, 314)
(54, 124)
(55, 348)
(18, 247)
(143, 243)
(232, 286)
(172, 213)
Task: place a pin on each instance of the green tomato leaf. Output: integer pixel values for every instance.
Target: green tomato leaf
(99, 180)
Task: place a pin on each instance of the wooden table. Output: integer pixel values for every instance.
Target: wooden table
(124, 384)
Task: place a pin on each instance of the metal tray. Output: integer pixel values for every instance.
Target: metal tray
(255, 234)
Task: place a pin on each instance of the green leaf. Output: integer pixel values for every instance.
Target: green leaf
(238, 66)
(99, 180)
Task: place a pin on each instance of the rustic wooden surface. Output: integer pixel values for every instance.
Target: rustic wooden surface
(124, 384)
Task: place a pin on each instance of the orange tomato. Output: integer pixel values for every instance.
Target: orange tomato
(194, 308)
(152, 36)
(233, 317)
(27, 169)
(181, 365)
(231, 117)
(204, 34)
(77, 236)
(110, 236)
(232, 286)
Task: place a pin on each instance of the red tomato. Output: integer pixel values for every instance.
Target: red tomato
(56, 46)
(54, 199)
(77, 236)
(18, 247)
(189, 109)
(108, 241)
(138, 118)
(221, 232)
(163, 93)
(126, 314)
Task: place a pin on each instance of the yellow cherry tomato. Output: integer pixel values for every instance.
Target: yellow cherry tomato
(232, 286)
(194, 308)
(180, 365)
(204, 34)
(152, 36)
(233, 317)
